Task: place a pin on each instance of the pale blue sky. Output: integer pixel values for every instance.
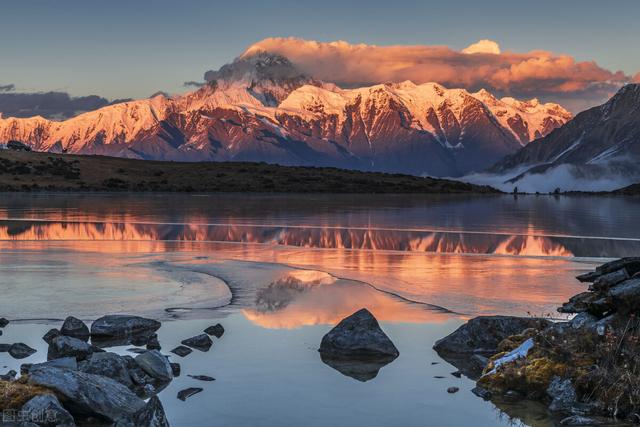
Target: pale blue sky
(133, 48)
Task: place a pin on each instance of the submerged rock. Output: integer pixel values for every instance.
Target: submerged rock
(215, 330)
(88, 394)
(21, 350)
(188, 392)
(46, 411)
(202, 377)
(358, 336)
(200, 342)
(452, 390)
(181, 351)
(74, 327)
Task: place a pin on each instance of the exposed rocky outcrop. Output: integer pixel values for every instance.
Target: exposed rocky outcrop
(586, 368)
(200, 342)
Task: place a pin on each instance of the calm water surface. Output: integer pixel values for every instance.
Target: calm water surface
(278, 271)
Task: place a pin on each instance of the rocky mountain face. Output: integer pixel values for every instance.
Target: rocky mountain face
(261, 108)
(606, 137)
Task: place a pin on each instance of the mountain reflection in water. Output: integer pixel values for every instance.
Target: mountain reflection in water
(324, 238)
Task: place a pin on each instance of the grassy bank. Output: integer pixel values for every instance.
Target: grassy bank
(32, 171)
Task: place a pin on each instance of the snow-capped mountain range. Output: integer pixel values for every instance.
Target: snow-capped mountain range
(261, 108)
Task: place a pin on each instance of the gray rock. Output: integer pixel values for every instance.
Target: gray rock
(483, 334)
(562, 393)
(73, 327)
(88, 394)
(452, 390)
(3, 322)
(46, 411)
(626, 294)
(202, 377)
(578, 303)
(155, 364)
(583, 320)
(588, 277)
(21, 350)
(606, 281)
(153, 343)
(358, 336)
(188, 392)
(181, 351)
(175, 368)
(152, 415)
(63, 346)
(137, 350)
(63, 362)
(200, 342)
(110, 365)
(631, 264)
(50, 335)
(122, 326)
(216, 330)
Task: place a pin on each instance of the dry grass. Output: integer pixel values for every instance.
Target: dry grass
(14, 394)
(604, 369)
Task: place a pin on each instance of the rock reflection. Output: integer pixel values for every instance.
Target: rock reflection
(361, 370)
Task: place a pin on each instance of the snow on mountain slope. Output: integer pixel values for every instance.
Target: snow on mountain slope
(598, 150)
(261, 108)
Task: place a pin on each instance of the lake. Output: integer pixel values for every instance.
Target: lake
(279, 271)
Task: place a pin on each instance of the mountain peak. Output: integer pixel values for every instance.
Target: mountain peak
(269, 77)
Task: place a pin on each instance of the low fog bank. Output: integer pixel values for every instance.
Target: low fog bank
(565, 177)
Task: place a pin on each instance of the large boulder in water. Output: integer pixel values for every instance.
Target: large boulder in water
(88, 394)
(358, 337)
(481, 335)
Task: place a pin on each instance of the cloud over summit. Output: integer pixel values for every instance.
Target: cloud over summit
(484, 64)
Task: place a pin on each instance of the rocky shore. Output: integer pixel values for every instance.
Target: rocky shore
(82, 383)
(587, 369)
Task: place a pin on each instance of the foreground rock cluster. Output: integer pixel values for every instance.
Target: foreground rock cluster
(82, 383)
(586, 369)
